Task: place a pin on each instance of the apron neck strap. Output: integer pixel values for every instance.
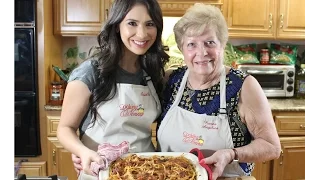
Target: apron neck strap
(223, 103)
(148, 81)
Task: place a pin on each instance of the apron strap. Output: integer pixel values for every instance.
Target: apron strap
(180, 91)
(223, 103)
(147, 79)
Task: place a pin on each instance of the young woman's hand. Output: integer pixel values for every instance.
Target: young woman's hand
(76, 163)
(87, 157)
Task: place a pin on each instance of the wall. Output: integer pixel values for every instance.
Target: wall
(85, 43)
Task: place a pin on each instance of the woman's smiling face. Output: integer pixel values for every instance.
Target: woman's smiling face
(203, 54)
(138, 31)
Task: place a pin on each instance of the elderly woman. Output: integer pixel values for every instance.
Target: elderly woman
(212, 107)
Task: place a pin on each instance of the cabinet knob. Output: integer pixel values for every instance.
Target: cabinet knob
(302, 126)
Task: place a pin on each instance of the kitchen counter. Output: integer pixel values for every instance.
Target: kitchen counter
(288, 104)
(277, 104)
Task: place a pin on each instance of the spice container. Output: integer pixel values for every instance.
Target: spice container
(264, 56)
(56, 93)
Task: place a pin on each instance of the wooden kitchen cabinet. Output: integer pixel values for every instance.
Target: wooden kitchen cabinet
(33, 168)
(79, 17)
(262, 170)
(270, 19)
(291, 22)
(59, 159)
(290, 165)
(177, 8)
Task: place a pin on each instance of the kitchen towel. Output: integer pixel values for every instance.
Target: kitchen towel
(109, 153)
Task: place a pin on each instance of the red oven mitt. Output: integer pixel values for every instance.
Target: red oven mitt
(108, 153)
(200, 156)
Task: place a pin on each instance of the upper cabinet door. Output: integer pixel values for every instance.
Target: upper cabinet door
(291, 19)
(250, 18)
(79, 17)
(177, 8)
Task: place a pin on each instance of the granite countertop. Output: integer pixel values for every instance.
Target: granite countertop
(288, 104)
(277, 104)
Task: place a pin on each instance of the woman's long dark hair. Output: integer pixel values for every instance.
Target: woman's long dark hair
(111, 47)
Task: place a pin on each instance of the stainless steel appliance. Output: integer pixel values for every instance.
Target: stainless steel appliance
(275, 80)
(26, 120)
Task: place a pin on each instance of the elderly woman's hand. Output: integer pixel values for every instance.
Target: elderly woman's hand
(218, 161)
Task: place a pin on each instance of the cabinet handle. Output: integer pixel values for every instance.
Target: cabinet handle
(302, 126)
(281, 21)
(281, 156)
(270, 20)
(107, 13)
(54, 157)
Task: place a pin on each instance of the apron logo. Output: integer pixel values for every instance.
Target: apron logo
(209, 125)
(192, 139)
(131, 110)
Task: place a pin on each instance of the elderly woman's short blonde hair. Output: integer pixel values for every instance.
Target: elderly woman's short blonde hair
(196, 19)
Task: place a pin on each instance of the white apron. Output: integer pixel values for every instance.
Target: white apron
(182, 130)
(128, 116)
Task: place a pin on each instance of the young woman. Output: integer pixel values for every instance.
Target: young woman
(114, 97)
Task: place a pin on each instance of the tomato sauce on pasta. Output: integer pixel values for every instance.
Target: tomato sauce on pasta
(134, 167)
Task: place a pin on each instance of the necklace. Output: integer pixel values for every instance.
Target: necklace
(190, 90)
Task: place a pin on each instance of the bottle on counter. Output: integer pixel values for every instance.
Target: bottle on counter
(264, 56)
(300, 82)
(56, 93)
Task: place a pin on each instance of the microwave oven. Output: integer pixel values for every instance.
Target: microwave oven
(275, 80)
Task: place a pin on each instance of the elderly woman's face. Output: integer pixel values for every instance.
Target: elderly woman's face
(203, 53)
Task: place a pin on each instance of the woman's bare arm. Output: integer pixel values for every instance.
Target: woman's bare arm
(255, 112)
(75, 105)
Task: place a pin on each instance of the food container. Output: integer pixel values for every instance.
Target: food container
(56, 93)
(264, 56)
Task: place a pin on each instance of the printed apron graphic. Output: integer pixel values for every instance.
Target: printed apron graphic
(192, 139)
(131, 110)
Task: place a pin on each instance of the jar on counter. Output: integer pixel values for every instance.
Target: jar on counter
(264, 56)
(56, 93)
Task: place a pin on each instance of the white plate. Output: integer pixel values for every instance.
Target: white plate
(201, 172)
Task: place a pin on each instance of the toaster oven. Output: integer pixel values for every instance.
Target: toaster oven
(275, 80)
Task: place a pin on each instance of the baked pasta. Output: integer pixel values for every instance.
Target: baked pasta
(134, 167)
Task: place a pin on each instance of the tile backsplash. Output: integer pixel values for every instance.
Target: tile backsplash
(84, 43)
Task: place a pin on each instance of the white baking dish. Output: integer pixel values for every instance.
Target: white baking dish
(201, 172)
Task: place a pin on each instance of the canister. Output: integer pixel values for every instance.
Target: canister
(56, 93)
(264, 56)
